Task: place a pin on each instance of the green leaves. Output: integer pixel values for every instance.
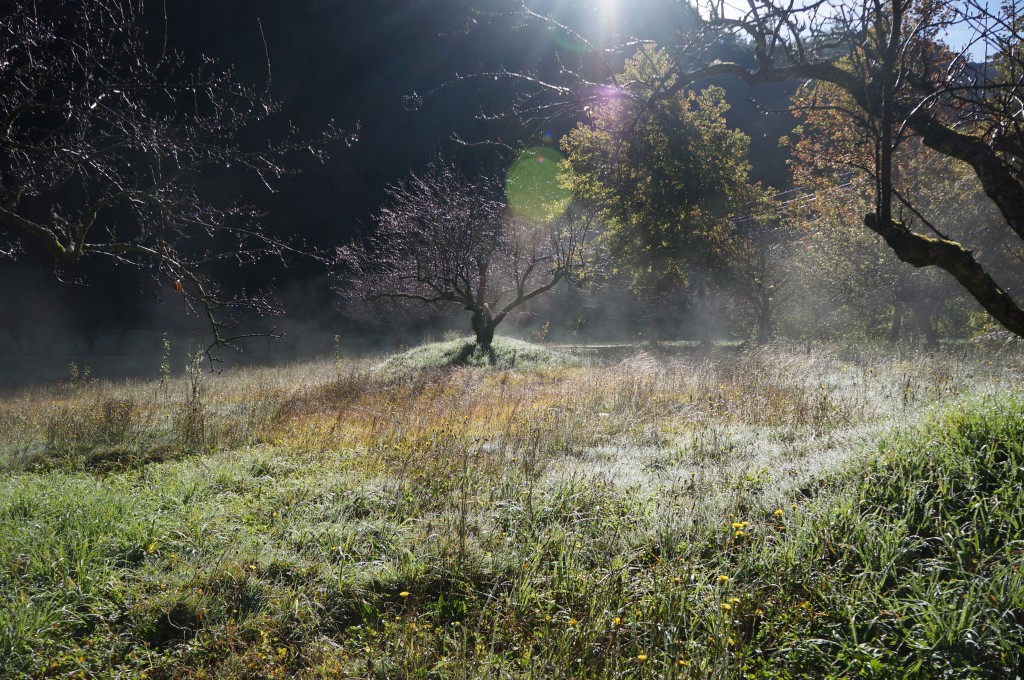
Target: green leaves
(663, 169)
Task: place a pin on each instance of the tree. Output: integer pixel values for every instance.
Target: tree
(445, 239)
(904, 84)
(851, 283)
(107, 143)
(665, 172)
(760, 268)
(833, 161)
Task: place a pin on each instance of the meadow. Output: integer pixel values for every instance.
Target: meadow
(757, 512)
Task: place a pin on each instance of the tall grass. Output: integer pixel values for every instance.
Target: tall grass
(765, 513)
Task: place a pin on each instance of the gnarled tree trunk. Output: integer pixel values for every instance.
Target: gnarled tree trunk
(483, 326)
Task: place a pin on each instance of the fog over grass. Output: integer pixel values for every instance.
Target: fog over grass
(724, 512)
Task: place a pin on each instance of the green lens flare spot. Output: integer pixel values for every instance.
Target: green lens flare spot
(567, 41)
(534, 185)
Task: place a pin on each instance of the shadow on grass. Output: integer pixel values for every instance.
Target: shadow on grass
(473, 354)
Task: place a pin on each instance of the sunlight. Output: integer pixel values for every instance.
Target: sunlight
(608, 10)
(583, 27)
(609, 19)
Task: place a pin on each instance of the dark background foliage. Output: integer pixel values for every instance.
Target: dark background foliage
(354, 63)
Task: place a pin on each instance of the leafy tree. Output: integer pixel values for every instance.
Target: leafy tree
(850, 283)
(107, 141)
(903, 83)
(833, 160)
(759, 269)
(665, 172)
(445, 239)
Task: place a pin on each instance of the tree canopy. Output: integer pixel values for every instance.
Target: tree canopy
(666, 172)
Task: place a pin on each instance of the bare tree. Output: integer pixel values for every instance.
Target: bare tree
(445, 239)
(106, 139)
(887, 55)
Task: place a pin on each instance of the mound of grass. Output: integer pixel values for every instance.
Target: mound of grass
(503, 354)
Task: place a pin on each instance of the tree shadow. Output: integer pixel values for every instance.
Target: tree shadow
(470, 351)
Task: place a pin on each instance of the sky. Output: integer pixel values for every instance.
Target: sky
(964, 36)
(961, 35)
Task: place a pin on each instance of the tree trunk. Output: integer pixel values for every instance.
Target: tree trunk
(483, 327)
(652, 328)
(926, 323)
(764, 317)
(923, 251)
(897, 322)
(763, 336)
(931, 333)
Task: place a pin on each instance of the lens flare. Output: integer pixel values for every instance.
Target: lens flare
(585, 29)
(567, 41)
(534, 187)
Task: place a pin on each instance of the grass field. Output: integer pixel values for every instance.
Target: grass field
(742, 513)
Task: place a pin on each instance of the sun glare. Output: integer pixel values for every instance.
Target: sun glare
(608, 8)
(609, 15)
